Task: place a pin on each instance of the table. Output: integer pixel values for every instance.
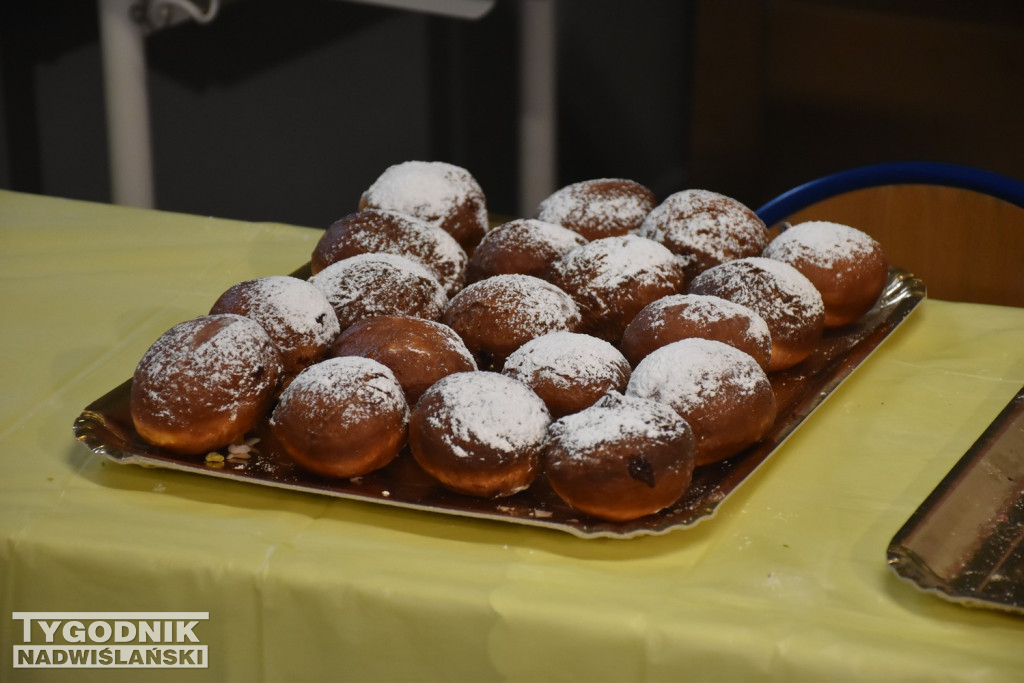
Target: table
(787, 582)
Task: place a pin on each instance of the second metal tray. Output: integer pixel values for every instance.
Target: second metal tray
(965, 543)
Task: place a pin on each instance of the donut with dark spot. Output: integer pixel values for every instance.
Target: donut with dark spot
(620, 459)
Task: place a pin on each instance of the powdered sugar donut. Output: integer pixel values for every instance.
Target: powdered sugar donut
(438, 192)
(569, 371)
(343, 417)
(479, 433)
(204, 383)
(705, 228)
(847, 266)
(496, 316)
(785, 299)
(720, 391)
(367, 285)
(613, 278)
(526, 246)
(681, 316)
(298, 317)
(620, 459)
(598, 208)
(377, 230)
(418, 351)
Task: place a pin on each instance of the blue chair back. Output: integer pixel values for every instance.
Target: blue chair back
(960, 229)
(895, 173)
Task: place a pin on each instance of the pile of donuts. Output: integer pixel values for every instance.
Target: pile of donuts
(612, 343)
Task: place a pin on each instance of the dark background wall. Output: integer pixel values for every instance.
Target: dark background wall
(286, 111)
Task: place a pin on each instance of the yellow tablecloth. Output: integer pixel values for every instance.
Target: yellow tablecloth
(787, 582)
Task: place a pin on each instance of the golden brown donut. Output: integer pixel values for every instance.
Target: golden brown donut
(847, 266)
(681, 316)
(377, 230)
(204, 383)
(786, 300)
(479, 433)
(569, 371)
(298, 317)
(437, 192)
(620, 459)
(418, 351)
(343, 417)
(368, 285)
(613, 278)
(496, 316)
(705, 228)
(526, 246)
(720, 391)
(603, 207)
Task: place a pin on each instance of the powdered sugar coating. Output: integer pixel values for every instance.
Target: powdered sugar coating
(615, 418)
(204, 382)
(613, 278)
(622, 458)
(344, 417)
(780, 294)
(298, 317)
(418, 351)
(526, 246)
(367, 285)
(445, 338)
(497, 315)
(219, 354)
(365, 387)
(488, 410)
(847, 266)
(435, 191)
(384, 231)
(613, 262)
(705, 228)
(567, 358)
(705, 309)
(530, 301)
(821, 243)
(569, 371)
(598, 208)
(679, 316)
(690, 372)
(542, 234)
(722, 393)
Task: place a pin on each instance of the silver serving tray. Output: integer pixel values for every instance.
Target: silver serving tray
(965, 543)
(106, 428)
